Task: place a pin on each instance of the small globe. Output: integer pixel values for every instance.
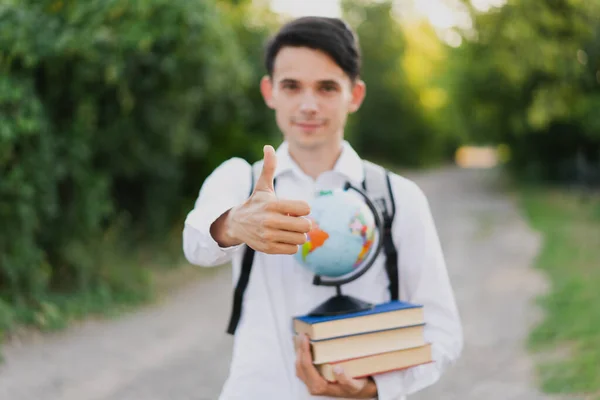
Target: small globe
(342, 234)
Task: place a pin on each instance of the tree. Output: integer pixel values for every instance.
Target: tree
(529, 79)
(390, 125)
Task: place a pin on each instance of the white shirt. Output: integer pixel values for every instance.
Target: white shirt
(263, 360)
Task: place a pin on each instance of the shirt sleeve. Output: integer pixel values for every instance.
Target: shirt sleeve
(423, 280)
(227, 186)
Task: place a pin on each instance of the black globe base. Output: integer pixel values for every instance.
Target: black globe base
(340, 304)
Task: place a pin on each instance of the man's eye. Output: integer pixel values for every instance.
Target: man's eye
(329, 88)
(290, 86)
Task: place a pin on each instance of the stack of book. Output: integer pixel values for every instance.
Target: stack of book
(385, 338)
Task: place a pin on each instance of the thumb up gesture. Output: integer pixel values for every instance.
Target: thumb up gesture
(264, 222)
(264, 183)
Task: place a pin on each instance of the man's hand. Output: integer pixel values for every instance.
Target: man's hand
(344, 387)
(264, 222)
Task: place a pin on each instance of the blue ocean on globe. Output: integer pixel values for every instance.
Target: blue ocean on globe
(343, 229)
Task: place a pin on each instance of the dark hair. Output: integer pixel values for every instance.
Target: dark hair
(330, 35)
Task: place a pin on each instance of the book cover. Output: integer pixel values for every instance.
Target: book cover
(377, 309)
(389, 315)
(366, 344)
(379, 363)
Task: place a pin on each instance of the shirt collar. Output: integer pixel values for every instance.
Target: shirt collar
(349, 164)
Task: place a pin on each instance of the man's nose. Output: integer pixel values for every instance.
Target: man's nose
(309, 103)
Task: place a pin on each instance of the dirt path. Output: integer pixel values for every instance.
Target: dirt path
(178, 350)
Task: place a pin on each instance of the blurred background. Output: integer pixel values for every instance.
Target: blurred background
(112, 113)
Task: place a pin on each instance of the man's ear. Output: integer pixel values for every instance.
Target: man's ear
(266, 88)
(359, 91)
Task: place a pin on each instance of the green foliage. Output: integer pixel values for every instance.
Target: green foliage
(28, 198)
(390, 126)
(110, 114)
(569, 256)
(529, 78)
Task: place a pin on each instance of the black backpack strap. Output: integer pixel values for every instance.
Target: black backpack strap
(242, 283)
(378, 186)
(240, 288)
(246, 268)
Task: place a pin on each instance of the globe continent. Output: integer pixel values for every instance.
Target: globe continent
(341, 236)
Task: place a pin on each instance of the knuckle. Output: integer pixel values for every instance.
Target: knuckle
(260, 230)
(267, 235)
(265, 247)
(292, 250)
(268, 222)
(270, 206)
(263, 223)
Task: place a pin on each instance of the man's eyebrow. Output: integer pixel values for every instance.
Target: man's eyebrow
(324, 82)
(329, 82)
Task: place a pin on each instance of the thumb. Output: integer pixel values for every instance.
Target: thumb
(265, 180)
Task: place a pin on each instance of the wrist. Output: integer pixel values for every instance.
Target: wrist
(222, 232)
(370, 389)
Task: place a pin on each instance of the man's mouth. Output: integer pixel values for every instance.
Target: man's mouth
(308, 125)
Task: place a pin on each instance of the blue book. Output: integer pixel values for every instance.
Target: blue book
(384, 316)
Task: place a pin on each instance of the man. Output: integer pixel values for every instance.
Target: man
(312, 85)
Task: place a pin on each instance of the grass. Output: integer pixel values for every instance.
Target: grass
(127, 279)
(570, 257)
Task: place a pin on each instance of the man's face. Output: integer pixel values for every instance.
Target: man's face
(311, 96)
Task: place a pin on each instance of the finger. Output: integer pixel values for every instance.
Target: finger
(284, 237)
(316, 385)
(265, 180)
(287, 223)
(298, 364)
(276, 248)
(308, 368)
(295, 208)
(297, 344)
(348, 384)
(305, 347)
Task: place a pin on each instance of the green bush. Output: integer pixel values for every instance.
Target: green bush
(529, 79)
(391, 126)
(109, 111)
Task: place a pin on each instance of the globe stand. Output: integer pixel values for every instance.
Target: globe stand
(340, 304)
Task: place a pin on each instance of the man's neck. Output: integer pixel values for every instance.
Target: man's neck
(313, 162)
